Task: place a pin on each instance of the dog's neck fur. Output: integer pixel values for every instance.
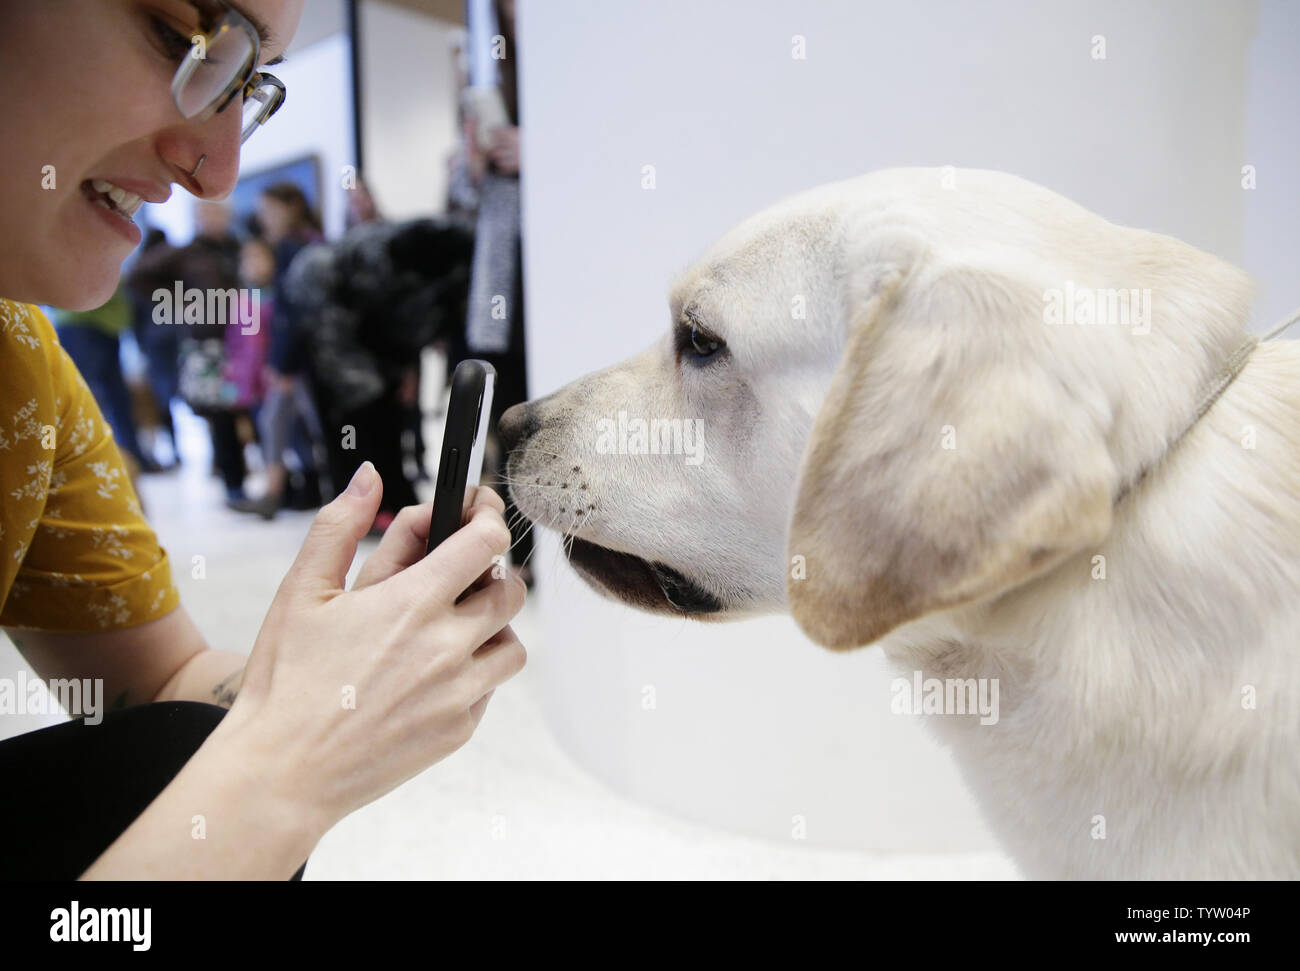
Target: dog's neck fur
(1234, 365)
(1197, 338)
(1118, 708)
(1065, 659)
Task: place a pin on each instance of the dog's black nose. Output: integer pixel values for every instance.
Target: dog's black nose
(517, 425)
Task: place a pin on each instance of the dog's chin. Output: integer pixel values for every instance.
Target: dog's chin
(640, 583)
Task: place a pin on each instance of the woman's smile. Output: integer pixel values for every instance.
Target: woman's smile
(115, 208)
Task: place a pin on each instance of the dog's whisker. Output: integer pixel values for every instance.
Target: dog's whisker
(567, 538)
(521, 538)
(573, 534)
(558, 553)
(519, 485)
(530, 554)
(514, 525)
(533, 448)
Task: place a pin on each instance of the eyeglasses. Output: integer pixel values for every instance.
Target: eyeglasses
(221, 64)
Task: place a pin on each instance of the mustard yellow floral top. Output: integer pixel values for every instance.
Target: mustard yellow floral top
(75, 551)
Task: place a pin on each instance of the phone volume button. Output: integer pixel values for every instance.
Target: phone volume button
(449, 473)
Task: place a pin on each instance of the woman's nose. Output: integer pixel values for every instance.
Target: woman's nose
(217, 142)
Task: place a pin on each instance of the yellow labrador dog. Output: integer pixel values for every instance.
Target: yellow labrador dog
(958, 416)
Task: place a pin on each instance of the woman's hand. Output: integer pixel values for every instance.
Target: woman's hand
(347, 694)
(404, 542)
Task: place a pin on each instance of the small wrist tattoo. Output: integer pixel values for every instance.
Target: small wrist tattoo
(223, 694)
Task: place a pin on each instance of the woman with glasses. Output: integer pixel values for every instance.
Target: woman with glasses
(345, 694)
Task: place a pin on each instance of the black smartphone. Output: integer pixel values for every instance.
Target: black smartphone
(464, 437)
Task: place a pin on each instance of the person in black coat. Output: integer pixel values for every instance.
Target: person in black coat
(365, 308)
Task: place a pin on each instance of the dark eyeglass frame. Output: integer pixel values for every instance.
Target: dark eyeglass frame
(216, 18)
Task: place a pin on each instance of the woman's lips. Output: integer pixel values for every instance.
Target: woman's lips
(108, 213)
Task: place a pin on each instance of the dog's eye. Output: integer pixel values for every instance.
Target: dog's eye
(704, 345)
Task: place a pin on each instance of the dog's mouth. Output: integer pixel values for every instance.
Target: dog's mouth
(638, 581)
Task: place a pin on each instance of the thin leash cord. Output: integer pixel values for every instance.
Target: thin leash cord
(1295, 316)
(1235, 364)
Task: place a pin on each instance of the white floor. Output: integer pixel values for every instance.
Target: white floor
(510, 804)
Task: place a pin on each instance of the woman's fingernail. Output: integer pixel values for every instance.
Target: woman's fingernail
(362, 481)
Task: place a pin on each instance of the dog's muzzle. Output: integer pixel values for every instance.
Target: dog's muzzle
(624, 576)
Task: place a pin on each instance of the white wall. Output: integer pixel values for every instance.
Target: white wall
(755, 725)
(408, 108)
(1272, 245)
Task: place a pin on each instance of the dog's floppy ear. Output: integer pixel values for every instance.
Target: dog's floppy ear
(958, 454)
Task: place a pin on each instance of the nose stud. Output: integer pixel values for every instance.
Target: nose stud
(202, 159)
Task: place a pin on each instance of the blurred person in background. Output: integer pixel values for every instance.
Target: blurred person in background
(366, 308)
(92, 340)
(289, 223)
(160, 346)
(361, 205)
(461, 206)
(209, 262)
(247, 347)
(361, 209)
(498, 264)
(283, 398)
